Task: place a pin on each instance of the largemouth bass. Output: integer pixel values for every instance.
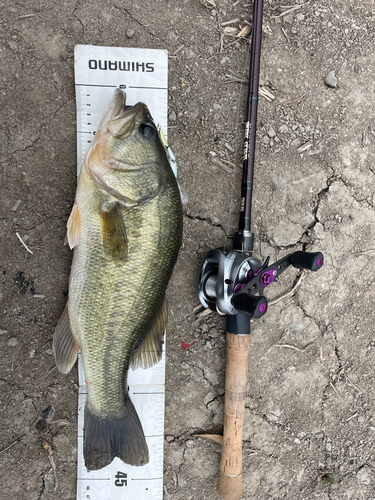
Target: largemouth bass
(125, 228)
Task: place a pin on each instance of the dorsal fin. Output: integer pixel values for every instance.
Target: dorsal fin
(149, 352)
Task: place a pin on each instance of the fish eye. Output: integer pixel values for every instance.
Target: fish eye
(146, 130)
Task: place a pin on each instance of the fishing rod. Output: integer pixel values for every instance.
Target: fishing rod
(232, 282)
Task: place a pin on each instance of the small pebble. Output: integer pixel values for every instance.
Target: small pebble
(300, 17)
(295, 143)
(12, 342)
(172, 116)
(48, 413)
(15, 206)
(283, 129)
(3, 331)
(363, 475)
(190, 54)
(297, 328)
(330, 80)
(130, 33)
(214, 332)
(271, 132)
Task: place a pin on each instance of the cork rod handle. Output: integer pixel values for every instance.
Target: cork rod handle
(229, 486)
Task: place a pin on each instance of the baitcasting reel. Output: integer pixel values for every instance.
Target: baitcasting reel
(230, 282)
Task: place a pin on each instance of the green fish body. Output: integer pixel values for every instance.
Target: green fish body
(126, 229)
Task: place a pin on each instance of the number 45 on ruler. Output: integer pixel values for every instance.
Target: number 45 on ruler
(121, 479)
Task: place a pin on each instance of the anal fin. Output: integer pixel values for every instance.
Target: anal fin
(149, 352)
(65, 345)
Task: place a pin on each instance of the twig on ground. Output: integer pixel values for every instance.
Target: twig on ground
(348, 381)
(232, 21)
(244, 32)
(197, 308)
(12, 444)
(272, 302)
(48, 449)
(61, 423)
(305, 147)
(208, 3)
(370, 251)
(46, 375)
(178, 50)
(266, 94)
(301, 350)
(286, 36)
(222, 165)
(234, 78)
(26, 16)
(228, 162)
(333, 387)
(354, 415)
(24, 244)
(286, 12)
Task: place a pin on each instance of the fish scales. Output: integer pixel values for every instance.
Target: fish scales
(126, 227)
(125, 305)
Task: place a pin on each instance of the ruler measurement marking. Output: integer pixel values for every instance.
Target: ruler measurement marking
(147, 393)
(147, 479)
(93, 85)
(94, 478)
(149, 88)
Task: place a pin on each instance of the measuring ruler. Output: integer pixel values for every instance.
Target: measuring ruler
(143, 75)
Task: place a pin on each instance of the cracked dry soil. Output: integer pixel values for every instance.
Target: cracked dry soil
(310, 425)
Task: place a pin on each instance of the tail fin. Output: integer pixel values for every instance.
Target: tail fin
(108, 437)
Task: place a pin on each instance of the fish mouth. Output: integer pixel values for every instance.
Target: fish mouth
(121, 121)
(120, 108)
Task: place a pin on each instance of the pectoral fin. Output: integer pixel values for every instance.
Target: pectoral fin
(149, 352)
(73, 227)
(65, 345)
(114, 239)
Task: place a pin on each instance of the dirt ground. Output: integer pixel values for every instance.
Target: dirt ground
(310, 424)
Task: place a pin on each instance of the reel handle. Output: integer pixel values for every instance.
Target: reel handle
(250, 304)
(229, 485)
(306, 260)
